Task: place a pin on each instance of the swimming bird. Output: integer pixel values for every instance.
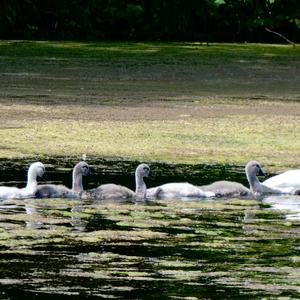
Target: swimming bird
(235, 189)
(36, 169)
(226, 188)
(61, 191)
(178, 190)
(289, 182)
(113, 191)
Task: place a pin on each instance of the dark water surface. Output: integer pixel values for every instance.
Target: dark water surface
(212, 249)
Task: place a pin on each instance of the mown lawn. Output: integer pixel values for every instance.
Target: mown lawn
(174, 102)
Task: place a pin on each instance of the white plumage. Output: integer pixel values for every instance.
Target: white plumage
(288, 181)
(178, 190)
(36, 169)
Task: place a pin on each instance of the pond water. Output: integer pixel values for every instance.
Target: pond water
(212, 249)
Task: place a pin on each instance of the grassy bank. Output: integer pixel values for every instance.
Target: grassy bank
(178, 102)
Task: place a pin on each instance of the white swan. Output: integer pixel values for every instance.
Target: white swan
(178, 190)
(230, 188)
(61, 191)
(114, 191)
(289, 182)
(36, 169)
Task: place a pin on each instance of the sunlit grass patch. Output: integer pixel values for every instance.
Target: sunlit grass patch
(231, 139)
(46, 87)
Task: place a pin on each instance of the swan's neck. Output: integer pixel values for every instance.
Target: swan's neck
(77, 186)
(140, 186)
(255, 185)
(31, 179)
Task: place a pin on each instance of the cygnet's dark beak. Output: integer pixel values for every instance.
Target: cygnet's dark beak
(90, 171)
(261, 173)
(150, 174)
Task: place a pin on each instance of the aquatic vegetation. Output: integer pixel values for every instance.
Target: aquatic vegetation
(177, 248)
(216, 248)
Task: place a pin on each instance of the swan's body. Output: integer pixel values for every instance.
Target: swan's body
(113, 191)
(61, 191)
(235, 189)
(227, 189)
(289, 181)
(54, 191)
(36, 169)
(108, 191)
(178, 190)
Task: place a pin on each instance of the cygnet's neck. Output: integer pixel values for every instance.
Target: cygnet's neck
(255, 186)
(140, 186)
(77, 186)
(31, 179)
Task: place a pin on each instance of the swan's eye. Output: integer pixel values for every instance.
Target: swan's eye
(146, 169)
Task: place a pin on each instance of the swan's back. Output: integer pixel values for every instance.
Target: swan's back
(177, 190)
(227, 189)
(61, 191)
(289, 178)
(54, 191)
(35, 169)
(107, 192)
(7, 192)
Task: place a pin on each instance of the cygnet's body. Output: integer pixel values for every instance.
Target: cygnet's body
(227, 189)
(61, 191)
(35, 170)
(235, 189)
(253, 169)
(112, 191)
(178, 190)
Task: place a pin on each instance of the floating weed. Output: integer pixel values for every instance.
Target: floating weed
(181, 274)
(177, 264)
(179, 247)
(114, 235)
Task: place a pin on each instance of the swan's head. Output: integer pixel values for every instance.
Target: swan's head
(253, 168)
(82, 168)
(143, 170)
(36, 169)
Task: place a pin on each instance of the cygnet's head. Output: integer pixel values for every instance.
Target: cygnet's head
(143, 170)
(253, 168)
(82, 168)
(37, 168)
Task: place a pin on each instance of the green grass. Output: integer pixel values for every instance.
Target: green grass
(55, 99)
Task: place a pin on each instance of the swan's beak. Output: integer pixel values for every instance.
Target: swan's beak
(261, 173)
(151, 175)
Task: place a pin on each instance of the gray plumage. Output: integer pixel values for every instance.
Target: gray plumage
(61, 191)
(236, 189)
(227, 189)
(113, 191)
(108, 192)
